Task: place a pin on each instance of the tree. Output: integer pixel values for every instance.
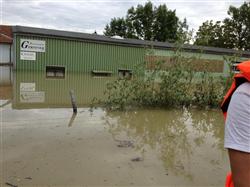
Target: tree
(237, 27)
(165, 25)
(210, 34)
(148, 23)
(233, 32)
(184, 35)
(117, 26)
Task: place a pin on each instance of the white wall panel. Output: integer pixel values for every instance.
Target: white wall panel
(5, 75)
(4, 53)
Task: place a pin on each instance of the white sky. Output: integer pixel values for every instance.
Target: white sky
(90, 15)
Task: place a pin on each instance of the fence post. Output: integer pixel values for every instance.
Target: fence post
(73, 101)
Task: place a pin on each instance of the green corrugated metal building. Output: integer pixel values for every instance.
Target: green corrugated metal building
(48, 63)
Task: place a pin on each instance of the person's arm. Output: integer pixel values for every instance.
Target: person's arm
(240, 166)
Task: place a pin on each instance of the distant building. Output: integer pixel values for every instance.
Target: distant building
(5, 54)
(48, 61)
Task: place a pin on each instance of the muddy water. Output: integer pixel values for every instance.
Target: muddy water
(188, 143)
(150, 147)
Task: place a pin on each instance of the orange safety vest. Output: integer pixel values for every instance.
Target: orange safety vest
(239, 78)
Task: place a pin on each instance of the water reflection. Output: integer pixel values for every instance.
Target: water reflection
(35, 90)
(3, 103)
(72, 119)
(185, 140)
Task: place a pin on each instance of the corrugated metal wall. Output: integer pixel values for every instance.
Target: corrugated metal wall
(217, 64)
(79, 59)
(80, 56)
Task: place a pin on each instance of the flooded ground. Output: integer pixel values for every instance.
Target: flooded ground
(147, 147)
(34, 90)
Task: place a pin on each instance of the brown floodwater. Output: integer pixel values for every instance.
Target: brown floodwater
(144, 147)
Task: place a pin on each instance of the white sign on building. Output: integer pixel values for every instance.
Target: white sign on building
(32, 45)
(27, 55)
(27, 86)
(32, 97)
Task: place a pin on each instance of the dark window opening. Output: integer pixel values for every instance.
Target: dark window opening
(125, 73)
(97, 73)
(55, 72)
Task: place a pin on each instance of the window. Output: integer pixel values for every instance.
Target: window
(55, 72)
(234, 67)
(125, 73)
(96, 73)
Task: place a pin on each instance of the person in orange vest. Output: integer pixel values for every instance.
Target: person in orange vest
(236, 110)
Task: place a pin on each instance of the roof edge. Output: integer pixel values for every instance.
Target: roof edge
(126, 41)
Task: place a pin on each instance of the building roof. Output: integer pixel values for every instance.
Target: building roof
(127, 42)
(5, 34)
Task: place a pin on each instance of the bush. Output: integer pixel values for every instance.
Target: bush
(179, 85)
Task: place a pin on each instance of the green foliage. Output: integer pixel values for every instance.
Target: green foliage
(149, 23)
(180, 85)
(175, 84)
(117, 27)
(237, 27)
(124, 92)
(210, 34)
(208, 91)
(232, 32)
(165, 25)
(184, 35)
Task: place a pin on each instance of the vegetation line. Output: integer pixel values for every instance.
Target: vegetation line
(168, 84)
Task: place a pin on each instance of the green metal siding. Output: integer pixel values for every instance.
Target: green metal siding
(79, 59)
(169, 53)
(79, 56)
(226, 60)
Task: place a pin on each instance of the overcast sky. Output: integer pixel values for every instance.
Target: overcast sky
(90, 15)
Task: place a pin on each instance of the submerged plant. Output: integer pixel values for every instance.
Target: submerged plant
(172, 84)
